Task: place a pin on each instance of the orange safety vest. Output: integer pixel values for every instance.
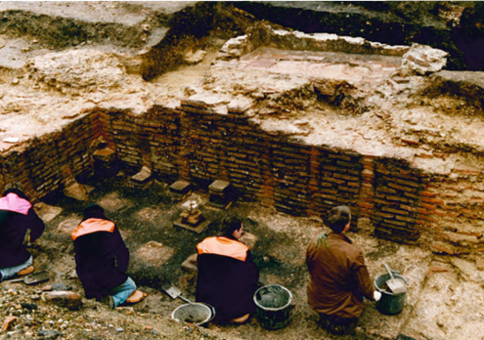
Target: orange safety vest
(92, 225)
(221, 245)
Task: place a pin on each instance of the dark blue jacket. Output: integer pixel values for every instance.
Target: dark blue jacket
(13, 227)
(101, 255)
(228, 284)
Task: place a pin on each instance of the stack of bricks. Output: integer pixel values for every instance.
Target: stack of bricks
(290, 167)
(206, 140)
(397, 196)
(124, 129)
(340, 180)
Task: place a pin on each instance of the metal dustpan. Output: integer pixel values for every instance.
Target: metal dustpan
(397, 286)
(32, 278)
(173, 291)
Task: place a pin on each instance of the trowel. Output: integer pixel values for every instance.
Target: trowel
(397, 286)
(32, 278)
(174, 292)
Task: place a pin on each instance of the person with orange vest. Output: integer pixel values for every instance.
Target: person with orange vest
(16, 216)
(227, 276)
(102, 260)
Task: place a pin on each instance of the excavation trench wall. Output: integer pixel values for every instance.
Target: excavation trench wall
(195, 143)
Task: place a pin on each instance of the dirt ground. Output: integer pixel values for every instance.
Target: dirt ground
(158, 249)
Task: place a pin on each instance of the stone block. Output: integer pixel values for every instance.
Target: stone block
(142, 179)
(219, 186)
(181, 187)
(112, 202)
(142, 176)
(190, 264)
(77, 191)
(47, 212)
(62, 298)
(106, 155)
(68, 225)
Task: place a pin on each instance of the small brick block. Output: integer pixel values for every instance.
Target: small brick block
(106, 152)
(219, 186)
(142, 176)
(181, 187)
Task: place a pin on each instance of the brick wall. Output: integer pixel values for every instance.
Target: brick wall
(47, 163)
(195, 143)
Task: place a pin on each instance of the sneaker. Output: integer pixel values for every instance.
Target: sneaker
(108, 301)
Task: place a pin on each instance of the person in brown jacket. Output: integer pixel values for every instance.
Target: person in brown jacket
(339, 276)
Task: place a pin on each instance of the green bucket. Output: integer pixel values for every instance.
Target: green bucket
(389, 303)
(273, 306)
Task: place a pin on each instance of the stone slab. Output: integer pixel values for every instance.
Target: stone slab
(181, 187)
(219, 186)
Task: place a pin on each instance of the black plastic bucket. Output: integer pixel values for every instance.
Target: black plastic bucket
(389, 304)
(273, 306)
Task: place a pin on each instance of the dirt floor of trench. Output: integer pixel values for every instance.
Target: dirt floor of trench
(158, 249)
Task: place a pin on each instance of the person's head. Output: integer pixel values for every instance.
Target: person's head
(93, 209)
(339, 219)
(232, 226)
(14, 185)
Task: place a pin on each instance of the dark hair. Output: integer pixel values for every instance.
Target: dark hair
(92, 208)
(338, 218)
(231, 223)
(14, 185)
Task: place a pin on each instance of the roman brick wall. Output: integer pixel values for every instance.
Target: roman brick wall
(196, 143)
(49, 162)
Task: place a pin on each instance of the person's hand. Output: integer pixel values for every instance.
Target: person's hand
(376, 295)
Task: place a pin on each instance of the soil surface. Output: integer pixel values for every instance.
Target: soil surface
(278, 242)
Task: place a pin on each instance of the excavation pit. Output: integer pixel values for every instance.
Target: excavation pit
(296, 131)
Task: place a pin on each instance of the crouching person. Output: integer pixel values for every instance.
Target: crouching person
(16, 216)
(102, 260)
(227, 277)
(339, 276)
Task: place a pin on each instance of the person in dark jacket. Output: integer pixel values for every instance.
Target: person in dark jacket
(102, 259)
(16, 216)
(339, 276)
(227, 277)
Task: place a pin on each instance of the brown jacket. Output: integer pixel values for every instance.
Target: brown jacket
(339, 277)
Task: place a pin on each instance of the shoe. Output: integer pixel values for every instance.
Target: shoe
(137, 296)
(26, 271)
(241, 319)
(108, 300)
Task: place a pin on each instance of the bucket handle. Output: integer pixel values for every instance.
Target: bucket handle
(212, 309)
